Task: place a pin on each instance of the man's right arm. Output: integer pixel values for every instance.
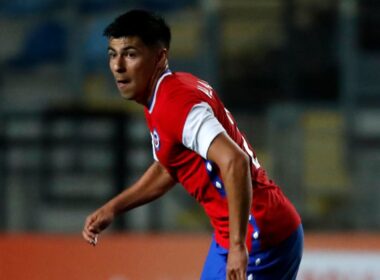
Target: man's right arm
(154, 183)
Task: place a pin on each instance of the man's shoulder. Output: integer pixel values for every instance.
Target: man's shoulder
(176, 96)
(179, 81)
(178, 90)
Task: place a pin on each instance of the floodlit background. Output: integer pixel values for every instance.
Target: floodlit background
(302, 78)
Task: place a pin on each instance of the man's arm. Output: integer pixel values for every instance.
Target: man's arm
(154, 183)
(235, 170)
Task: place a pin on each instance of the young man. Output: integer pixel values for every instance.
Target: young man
(257, 232)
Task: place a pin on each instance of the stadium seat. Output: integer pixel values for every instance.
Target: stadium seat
(45, 43)
(95, 45)
(93, 6)
(28, 7)
(166, 5)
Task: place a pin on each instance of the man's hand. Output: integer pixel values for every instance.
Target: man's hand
(154, 183)
(237, 263)
(96, 223)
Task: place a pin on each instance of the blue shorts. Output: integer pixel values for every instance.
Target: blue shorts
(279, 263)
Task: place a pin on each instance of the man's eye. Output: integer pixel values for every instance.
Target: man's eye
(111, 54)
(131, 55)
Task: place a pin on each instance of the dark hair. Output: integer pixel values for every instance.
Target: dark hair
(149, 27)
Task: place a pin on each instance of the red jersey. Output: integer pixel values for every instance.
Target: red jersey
(272, 217)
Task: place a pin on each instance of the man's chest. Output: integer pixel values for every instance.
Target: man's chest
(166, 148)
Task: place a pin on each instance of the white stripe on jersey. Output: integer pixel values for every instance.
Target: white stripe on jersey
(166, 73)
(200, 129)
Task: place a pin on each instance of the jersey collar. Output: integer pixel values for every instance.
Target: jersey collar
(152, 100)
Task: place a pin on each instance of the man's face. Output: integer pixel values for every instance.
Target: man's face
(134, 66)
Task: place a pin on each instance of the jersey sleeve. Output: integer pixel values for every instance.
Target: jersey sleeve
(200, 129)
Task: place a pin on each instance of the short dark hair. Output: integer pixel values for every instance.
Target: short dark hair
(149, 27)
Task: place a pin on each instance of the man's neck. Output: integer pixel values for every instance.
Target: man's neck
(153, 84)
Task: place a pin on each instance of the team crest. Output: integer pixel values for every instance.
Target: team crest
(156, 140)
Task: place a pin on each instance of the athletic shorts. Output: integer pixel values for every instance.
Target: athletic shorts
(278, 263)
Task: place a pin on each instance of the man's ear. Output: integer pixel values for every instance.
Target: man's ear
(162, 57)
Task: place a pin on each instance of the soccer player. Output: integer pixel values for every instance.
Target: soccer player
(196, 142)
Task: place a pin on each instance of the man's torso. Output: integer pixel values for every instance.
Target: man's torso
(272, 218)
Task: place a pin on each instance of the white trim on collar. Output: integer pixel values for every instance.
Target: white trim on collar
(166, 73)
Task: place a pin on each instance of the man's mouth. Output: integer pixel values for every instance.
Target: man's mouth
(122, 82)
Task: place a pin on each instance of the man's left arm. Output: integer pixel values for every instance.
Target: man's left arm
(234, 166)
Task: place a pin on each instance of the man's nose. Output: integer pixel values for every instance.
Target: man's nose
(119, 65)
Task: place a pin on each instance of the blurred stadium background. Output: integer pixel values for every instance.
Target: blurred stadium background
(302, 77)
